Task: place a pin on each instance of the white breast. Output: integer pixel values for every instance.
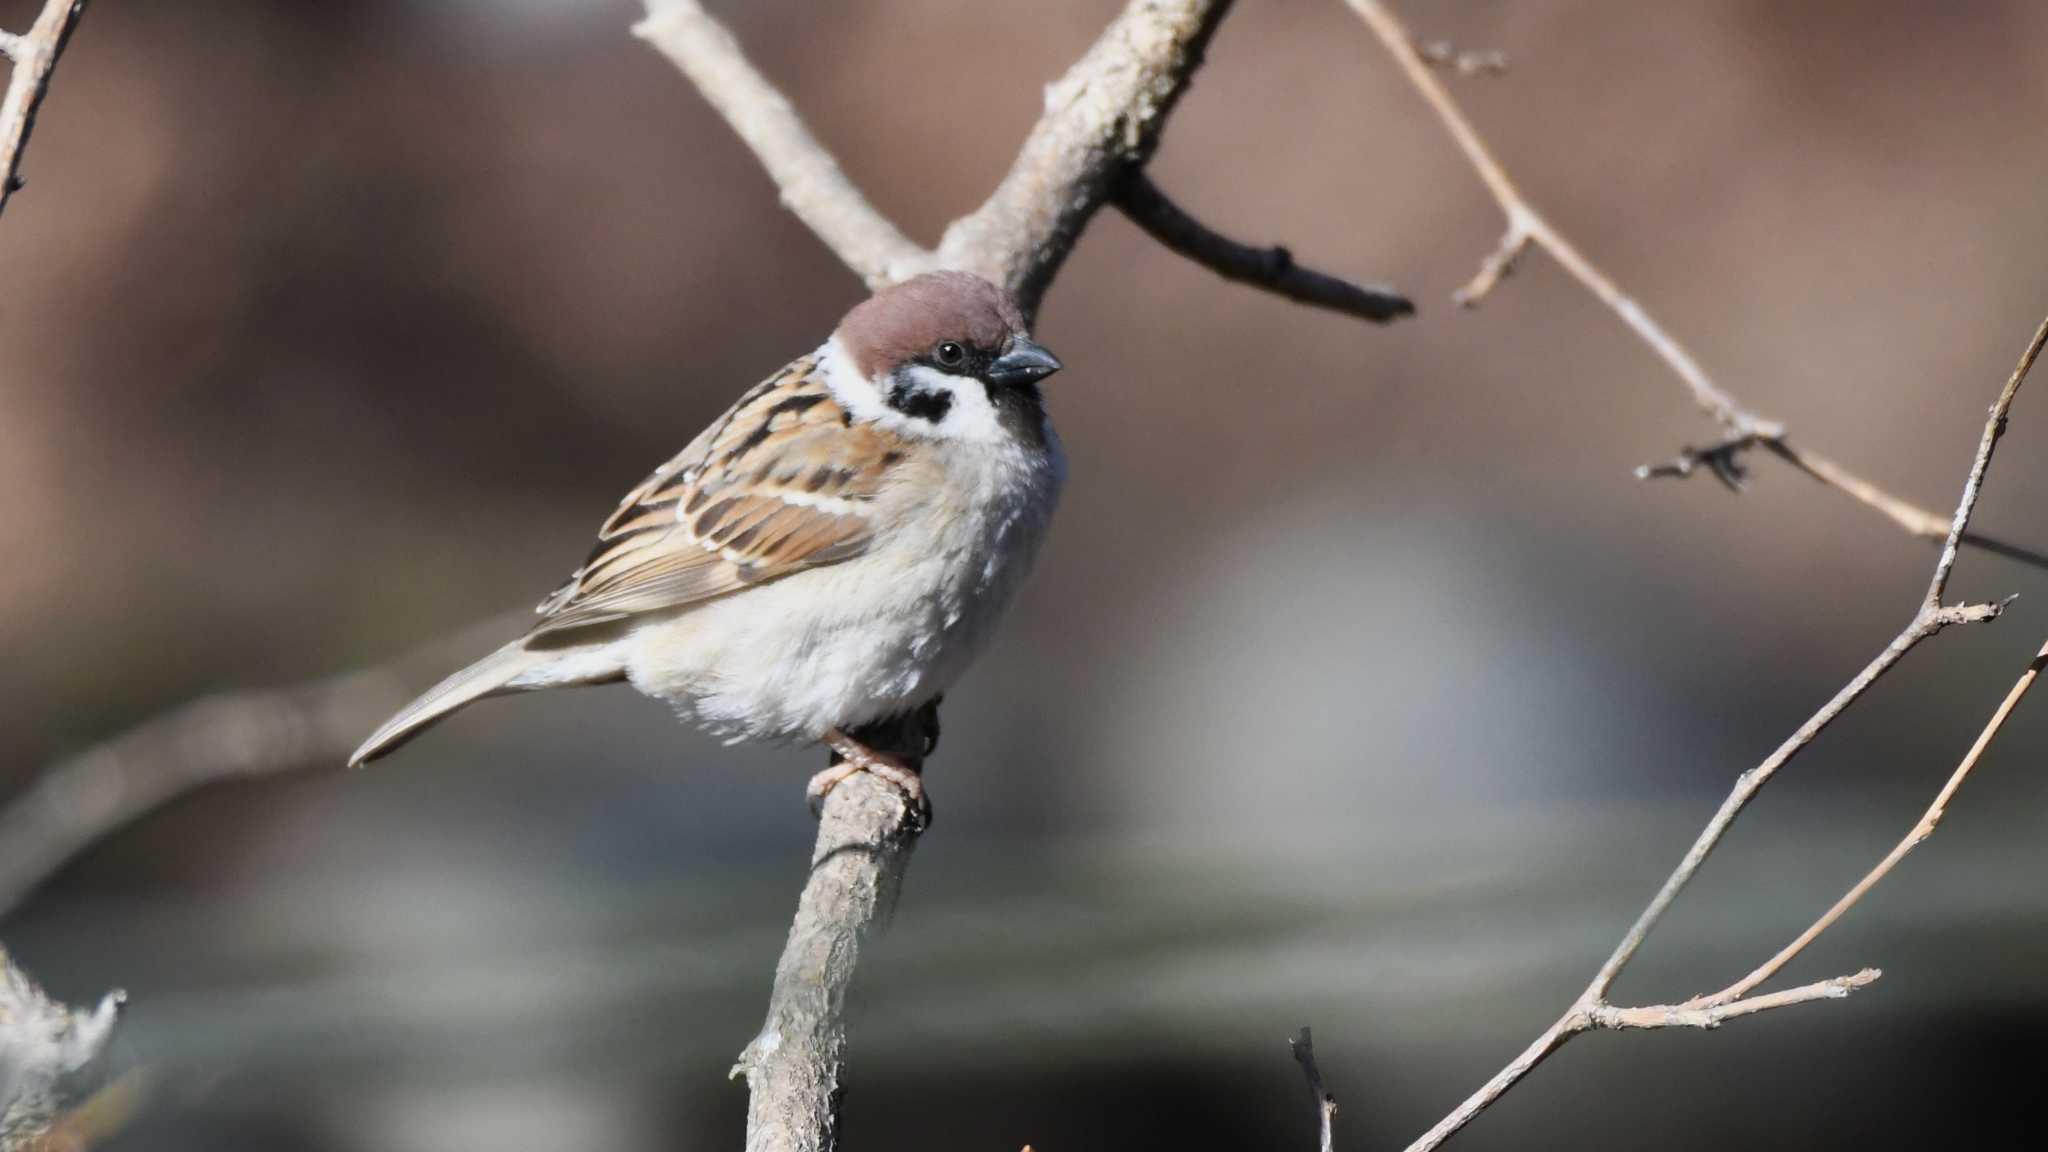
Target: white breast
(873, 636)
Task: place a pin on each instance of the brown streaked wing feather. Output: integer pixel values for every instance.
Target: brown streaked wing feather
(780, 483)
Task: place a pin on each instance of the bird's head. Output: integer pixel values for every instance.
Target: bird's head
(944, 355)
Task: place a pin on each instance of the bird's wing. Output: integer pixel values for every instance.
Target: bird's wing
(782, 482)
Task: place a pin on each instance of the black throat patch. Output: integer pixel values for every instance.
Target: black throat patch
(925, 405)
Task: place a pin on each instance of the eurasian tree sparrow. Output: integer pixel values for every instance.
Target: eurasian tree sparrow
(831, 552)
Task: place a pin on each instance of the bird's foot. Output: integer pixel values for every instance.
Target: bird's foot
(853, 756)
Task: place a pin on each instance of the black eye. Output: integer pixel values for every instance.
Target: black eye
(950, 354)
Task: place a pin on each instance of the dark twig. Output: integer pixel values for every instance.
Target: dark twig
(1272, 269)
(1325, 1105)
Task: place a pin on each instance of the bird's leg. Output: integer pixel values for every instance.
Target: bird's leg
(851, 756)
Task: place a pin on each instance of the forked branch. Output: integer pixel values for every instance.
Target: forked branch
(1742, 428)
(1924, 828)
(1931, 616)
(1101, 124)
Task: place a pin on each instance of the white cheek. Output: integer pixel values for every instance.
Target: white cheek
(854, 392)
(970, 417)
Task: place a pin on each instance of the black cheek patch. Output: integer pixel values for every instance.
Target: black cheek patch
(931, 406)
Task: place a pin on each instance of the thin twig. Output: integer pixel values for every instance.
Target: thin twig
(35, 55)
(1272, 269)
(1325, 1105)
(1930, 617)
(1744, 428)
(1689, 1015)
(810, 181)
(228, 736)
(1929, 820)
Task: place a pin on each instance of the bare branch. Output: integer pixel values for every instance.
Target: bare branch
(230, 736)
(1591, 1009)
(1272, 269)
(35, 55)
(811, 182)
(1744, 429)
(1987, 443)
(1930, 619)
(44, 1046)
(1325, 1105)
(1688, 1015)
(1921, 831)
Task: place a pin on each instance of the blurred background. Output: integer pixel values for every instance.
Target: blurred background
(1360, 685)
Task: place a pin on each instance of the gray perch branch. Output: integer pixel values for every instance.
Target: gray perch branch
(794, 1067)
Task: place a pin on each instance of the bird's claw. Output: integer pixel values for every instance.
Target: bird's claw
(851, 756)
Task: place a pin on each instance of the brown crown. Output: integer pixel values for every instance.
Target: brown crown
(907, 320)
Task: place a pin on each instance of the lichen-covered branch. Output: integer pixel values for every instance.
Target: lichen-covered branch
(1930, 617)
(34, 54)
(1742, 428)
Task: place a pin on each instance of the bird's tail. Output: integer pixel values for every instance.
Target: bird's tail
(514, 668)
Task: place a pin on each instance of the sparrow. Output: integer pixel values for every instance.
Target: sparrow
(831, 552)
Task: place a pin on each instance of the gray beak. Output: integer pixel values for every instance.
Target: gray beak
(1026, 362)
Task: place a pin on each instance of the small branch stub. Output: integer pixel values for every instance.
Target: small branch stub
(1325, 1105)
